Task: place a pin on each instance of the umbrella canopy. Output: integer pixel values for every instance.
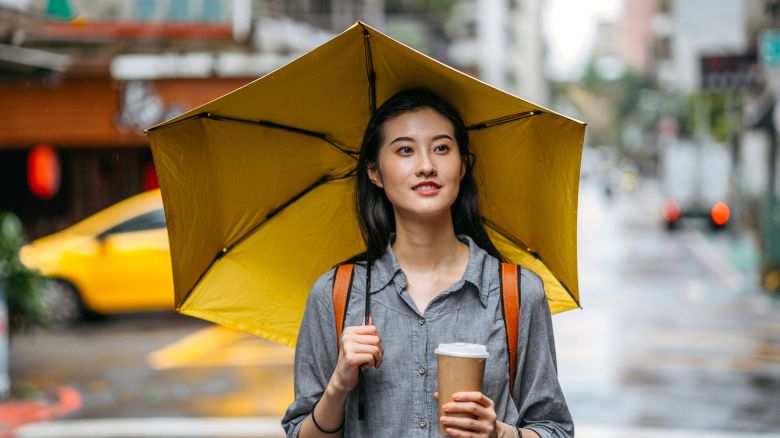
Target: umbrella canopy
(258, 184)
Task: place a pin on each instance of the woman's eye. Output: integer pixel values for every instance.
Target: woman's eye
(441, 148)
(405, 150)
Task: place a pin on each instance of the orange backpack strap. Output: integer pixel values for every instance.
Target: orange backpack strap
(510, 306)
(342, 283)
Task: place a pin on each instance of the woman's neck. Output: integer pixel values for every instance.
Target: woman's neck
(425, 246)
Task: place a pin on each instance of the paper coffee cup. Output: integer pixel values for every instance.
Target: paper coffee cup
(461, 368)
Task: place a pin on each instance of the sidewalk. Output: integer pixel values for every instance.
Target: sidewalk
(269, 427)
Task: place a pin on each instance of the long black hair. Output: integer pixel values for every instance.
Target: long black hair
(374, 210)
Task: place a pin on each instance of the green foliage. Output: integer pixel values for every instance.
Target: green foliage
(707, 112)
(623, 94)
(406, 6)
(21, 285)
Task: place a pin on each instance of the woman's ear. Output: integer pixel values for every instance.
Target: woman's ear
(374, 176)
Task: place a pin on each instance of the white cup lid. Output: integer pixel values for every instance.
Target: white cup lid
(462, 349)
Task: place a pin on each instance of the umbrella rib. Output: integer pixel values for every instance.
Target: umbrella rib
(511, 238)
(370, 71)
(505, 234)
(324, 137)
(279, 209)
(268, 217)
(505, 119)
(274, 125)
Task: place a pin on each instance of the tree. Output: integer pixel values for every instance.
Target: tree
(21, 285)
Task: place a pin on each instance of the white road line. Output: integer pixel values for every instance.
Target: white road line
(705, 252)
(709, 256)
(270, 427)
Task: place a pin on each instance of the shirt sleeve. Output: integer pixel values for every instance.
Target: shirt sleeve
(537, 393)
(316, 353)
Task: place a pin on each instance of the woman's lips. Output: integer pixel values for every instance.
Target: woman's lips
(427, 188)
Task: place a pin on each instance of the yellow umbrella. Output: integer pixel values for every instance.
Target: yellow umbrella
(258, 184)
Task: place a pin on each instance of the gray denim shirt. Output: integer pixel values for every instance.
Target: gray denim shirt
(400, 399)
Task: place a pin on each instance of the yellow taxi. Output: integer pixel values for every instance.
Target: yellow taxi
(117, 260)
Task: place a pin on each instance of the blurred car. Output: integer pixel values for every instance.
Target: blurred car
(695, 179)
(117, 260)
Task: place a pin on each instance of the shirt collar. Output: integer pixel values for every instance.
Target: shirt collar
(386, 269)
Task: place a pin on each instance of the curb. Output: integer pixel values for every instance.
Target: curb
(258, 427)
(16, 414)
(270, 427)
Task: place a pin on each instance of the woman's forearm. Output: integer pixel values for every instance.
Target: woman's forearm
(329, 413)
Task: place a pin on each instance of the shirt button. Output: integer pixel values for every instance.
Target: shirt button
(422, 423)
(421, 370)
(421, 321)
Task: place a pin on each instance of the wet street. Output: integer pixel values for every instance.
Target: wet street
(674, 334)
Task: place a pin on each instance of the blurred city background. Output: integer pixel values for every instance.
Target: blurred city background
(679, 218)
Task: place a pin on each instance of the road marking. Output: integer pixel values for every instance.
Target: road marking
(708, 255)
(270, 427)
(218, 346)
(704, 251)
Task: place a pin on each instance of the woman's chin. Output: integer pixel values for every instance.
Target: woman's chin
(427, 213)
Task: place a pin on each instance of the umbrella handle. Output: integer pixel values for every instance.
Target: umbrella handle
(361, 395)
(361, 378)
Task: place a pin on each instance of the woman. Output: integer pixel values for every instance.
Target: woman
(433, 279)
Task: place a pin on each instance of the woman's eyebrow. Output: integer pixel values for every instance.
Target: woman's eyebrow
(409, 139)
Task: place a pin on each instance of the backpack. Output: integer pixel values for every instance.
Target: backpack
(510, 307)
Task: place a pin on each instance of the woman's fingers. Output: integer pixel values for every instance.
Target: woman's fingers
(477, 405)
(363, 339)
(361, 330)
(472, 408)
(473, 396)
(359, 359)
(466, 426)
(375, 352)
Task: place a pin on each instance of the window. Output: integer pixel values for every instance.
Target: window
(152, 220)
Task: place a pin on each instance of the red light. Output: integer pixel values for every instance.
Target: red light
(43, 172)
(720, 213)
(150, 177)
(671, 210)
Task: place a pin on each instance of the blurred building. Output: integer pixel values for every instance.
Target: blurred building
(80, 80)
(724, 56)
(636, 30)
(685, 30)
(500, 42)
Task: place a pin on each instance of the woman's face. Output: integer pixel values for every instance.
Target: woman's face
(419, 163)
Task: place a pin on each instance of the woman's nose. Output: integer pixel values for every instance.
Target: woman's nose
(425, 166)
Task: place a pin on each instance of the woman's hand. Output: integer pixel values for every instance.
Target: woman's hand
(361, 346)
(474, 403)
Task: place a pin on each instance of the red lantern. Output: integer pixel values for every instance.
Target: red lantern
(43, 172)
(150, 177)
